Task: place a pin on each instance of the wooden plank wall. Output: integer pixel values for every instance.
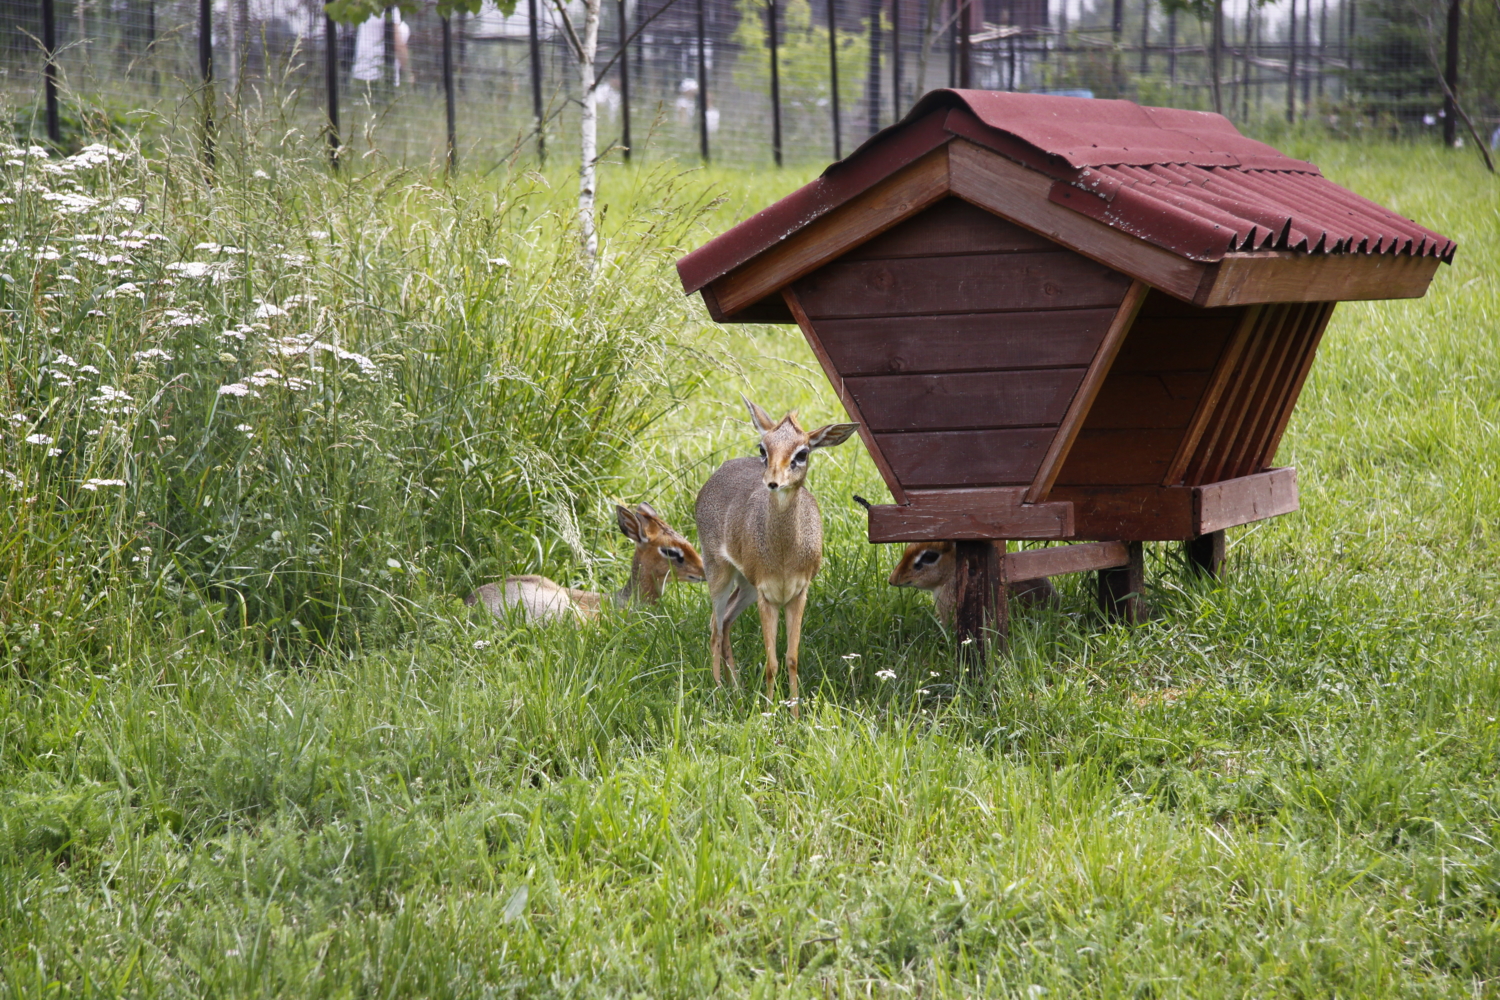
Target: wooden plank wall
(961, 338)
(1151, 394)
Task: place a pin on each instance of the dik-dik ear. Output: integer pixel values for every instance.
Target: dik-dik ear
(630, 525)
(759, 419)
(649, 518)
(831, 434)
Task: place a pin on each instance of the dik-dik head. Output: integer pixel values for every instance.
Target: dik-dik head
(924, 565)
(785, 447)
(659, 550)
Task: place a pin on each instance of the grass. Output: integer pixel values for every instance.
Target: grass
(1283, 785)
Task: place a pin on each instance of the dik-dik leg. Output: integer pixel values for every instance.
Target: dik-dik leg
(794, 611)
(769, 615)
(739, 600)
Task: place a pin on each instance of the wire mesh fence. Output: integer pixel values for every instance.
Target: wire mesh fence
(742, 81)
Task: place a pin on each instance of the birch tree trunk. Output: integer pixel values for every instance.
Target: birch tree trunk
(588, 127)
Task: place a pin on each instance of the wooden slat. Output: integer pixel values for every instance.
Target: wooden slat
(1088, 389)
(1152, 401)
(916, 286)
(1033, 564)
(898, 197)
(851, 407)
(1294, 390)
(1280, 370)
(1282, 276)
(1264, 355)
(1191, 344)
(1005, 457)
(969, 514)
(1149, 513)
(1209, 402)
(1133, 456)
(951, 226)
(1240, 501)
(964, 401)
(965, 342)
(993, 182)
(1225, 425)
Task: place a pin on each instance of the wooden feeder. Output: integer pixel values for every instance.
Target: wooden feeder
(1062, 318)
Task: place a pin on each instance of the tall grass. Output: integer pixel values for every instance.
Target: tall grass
(278, 400)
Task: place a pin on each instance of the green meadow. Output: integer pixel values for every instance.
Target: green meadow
(252, 744)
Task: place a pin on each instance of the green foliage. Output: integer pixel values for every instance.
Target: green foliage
(357, 11)
(802, 51)
(294, 402)
(1394, 76)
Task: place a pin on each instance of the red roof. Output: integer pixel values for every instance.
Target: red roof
(1187, 181)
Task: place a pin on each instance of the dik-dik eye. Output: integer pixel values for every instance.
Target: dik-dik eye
(762, 453)
(800, 458)
(674, 554)
(927, 558)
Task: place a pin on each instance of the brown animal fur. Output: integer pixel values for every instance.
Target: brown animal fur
(762, 538)
(660, 554)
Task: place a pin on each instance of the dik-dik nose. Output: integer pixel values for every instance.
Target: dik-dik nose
(773, 486)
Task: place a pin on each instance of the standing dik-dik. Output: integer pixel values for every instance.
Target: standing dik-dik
(931, 566)
(762, 538)
(660, 553)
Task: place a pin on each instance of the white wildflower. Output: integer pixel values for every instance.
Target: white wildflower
(94, 484)
(97, 313)
(155, 352)
(71, 204)
(218, 273)
(38, 439)
(12, 479)
(319, 234)
(886, 675)
(46, 253)
(298, 384)
(393, 563)
(234, 389)
(266, 310)
(178, 317)
(87, 370)
(497, 262)
(851, 656)
(18, 418)
(481, 644)
(295, 259)
(128, 288)
(129, 205)
(53, 452)
(63, 359)
(244, 427)
(261, 175)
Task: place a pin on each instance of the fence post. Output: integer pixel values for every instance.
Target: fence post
(625, 80)
(49, 70)
(833, 76)
(965, 69)
(1291, 66)
(1172, 48)
(895, 61)
(535, 42)
(1117, 32)
(331, 82)
(1145, 36)
(206, 74)
(872, 72)
(775, 86)
(1450, 74)
(448, 94)
(1307, 48)
(702, 85)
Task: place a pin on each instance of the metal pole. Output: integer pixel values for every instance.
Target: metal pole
(872, 73)
(1217, 57)
(1117, 31)
(1291, 66)
(49, 71)
(388, 52)
(775, 86)
(1145, 37)
(448, 94)
(331, 83)
(895, 60)
(535, 41)
(833, 77)
(953, 49)
(1322, 45)
(1172, 48)
(1450, 73)
(206, 73)
(965, 70)
(625, 80)
(1307, 48)
(702, 85)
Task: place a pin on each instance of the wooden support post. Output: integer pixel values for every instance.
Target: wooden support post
(702, 84)
(534, 43)
(833, 76)
(49, 71)
(1205, 554)
(624, 80)
(449, 107)
(331, 84)
(775, 84)
(1120, 588)
(206, 75)
(982, 610)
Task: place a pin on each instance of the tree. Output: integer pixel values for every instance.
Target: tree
(1211, 11)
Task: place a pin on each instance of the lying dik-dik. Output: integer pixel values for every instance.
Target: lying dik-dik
(931, 566)
(762, 538)
(660, 553)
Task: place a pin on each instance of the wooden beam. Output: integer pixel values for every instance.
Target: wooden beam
(1205, 554)
(1153, 513)
(1122, 588)
(1010, 190)
(1088, 389)
(1033, 564)
(1207, 405)
(1283, 276)
(969, 515)
(893, 200)
(835, 379)
(981, 605)
(1239, 501)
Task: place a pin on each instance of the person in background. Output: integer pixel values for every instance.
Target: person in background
(369, 49)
